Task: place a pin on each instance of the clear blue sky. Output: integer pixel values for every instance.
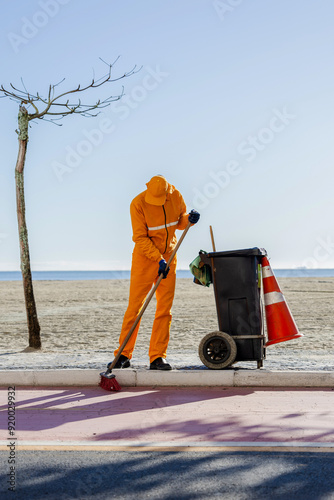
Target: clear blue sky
(233, 104)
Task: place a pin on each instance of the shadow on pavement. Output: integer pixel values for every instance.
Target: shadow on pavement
(172, 475)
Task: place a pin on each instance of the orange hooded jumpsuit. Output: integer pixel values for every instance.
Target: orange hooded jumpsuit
(153, 228)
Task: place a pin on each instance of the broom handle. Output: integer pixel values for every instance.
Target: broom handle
(212, 239)
(148, 300)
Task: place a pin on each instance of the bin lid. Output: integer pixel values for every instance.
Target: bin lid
(248, 252)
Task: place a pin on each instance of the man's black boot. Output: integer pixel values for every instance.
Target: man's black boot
(160, 364)
(123, 362)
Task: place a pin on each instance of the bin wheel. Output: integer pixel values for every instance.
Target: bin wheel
(217, 350)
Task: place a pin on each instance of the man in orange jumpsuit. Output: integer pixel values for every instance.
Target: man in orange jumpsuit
(155, 215)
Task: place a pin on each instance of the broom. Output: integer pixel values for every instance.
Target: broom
(108, 380)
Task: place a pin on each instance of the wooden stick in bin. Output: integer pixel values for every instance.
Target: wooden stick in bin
(212, 239)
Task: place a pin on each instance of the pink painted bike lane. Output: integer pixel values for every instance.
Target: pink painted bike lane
(170, 417)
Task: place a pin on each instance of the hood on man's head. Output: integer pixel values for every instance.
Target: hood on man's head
(157, 189)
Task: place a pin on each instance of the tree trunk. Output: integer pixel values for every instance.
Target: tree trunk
(33, 324)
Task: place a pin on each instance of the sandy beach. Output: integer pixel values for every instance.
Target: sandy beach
(81, 320)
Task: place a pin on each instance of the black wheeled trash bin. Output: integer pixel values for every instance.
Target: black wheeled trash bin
(237, 282)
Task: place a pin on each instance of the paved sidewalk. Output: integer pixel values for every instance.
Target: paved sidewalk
(170, 418)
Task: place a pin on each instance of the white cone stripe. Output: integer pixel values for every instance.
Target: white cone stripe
(273, 298)
(267, 272)
(156, 228)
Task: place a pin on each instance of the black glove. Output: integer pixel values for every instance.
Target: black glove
(163, 268)
(193, 217)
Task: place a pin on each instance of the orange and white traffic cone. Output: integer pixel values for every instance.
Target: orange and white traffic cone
(280, 323)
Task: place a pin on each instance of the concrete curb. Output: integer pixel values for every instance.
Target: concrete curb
(174, 378)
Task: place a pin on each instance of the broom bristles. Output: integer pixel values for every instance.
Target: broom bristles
(109, 384)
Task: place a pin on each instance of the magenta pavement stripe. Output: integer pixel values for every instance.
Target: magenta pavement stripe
(177, 415)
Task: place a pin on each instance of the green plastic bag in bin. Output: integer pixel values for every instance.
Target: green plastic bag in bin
(202, 272)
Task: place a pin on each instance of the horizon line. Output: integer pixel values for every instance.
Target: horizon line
(129, 270)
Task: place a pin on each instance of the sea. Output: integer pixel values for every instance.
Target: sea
(116, 275)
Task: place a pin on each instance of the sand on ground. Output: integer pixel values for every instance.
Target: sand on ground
(81, 321)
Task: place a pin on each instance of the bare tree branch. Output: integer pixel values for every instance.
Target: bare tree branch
(67, 107)
(53, 120)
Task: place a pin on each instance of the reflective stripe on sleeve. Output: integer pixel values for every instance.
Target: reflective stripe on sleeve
(273, 298)
(163, 226)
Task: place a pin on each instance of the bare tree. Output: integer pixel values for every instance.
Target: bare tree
(51, 108)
